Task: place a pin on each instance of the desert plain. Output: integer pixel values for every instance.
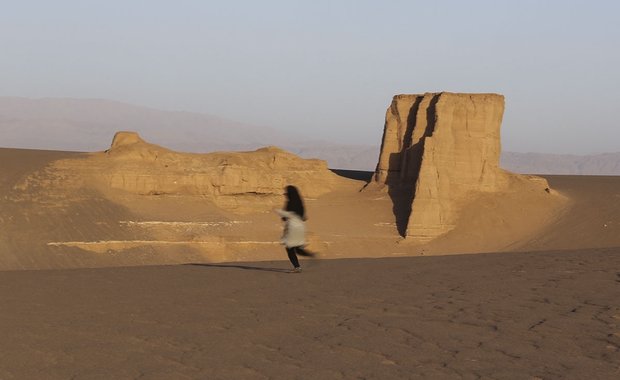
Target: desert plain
(144, 263)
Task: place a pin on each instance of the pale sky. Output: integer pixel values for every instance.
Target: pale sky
(328, 68)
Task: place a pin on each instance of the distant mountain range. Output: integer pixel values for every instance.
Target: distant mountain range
(89, 125)
(542, 163)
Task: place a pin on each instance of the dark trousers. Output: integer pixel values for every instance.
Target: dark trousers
(294, 251)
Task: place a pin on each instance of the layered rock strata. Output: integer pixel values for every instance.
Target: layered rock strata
(438, 149)
(138, 167)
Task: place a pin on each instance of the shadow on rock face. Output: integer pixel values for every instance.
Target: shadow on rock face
(358, 175)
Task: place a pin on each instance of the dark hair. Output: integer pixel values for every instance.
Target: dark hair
(294, 202)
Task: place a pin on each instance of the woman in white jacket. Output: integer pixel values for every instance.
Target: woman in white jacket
(294, 235)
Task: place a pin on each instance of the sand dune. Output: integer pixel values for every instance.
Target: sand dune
(592, 219)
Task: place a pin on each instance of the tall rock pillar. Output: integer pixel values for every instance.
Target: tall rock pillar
(441, 147)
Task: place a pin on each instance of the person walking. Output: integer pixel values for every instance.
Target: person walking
(294, 235)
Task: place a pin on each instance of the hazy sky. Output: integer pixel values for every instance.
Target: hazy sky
(329, 68)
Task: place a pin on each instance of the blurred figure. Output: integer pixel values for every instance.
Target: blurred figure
(294, 236)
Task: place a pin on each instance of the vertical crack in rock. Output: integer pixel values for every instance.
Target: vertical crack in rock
(431, 115)
(400, 153)
(437, 149)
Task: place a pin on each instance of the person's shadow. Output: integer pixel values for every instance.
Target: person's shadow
(244, 267)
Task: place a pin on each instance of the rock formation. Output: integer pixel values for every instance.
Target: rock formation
(438, 149)
(135, 166)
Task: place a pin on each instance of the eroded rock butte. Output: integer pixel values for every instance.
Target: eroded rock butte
(438, 150)
(138, 167)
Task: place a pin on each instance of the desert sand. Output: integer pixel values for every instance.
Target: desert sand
(546, 307)
(50, 227)
(140, 262)
(544, 315)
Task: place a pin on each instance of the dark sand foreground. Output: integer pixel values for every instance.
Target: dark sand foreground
(545, 315)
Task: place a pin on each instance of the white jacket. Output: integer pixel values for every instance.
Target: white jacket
(294, 229)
